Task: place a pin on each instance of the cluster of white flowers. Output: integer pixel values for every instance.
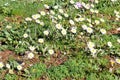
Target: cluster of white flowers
(113, 0)
(91, 46)
(117, 14)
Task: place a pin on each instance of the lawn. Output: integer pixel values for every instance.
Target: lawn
(59, 40)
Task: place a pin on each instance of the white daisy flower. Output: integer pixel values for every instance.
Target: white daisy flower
(64, 32)
(61, 11)
(46, 6)
(97, 22)
(71, 22)
(30, 55)
(19, 67)
(25, 35)
(102, 20)
(41, 40)
(96, 11)
(8, 66)
(59, 17)
(66, 15)
(117, 60)
(55, 7)
(84, 27)
(113, 0)
(72, 1)
(81, 19)
(58, 26)
(8, 27)
(32, 48)
(93, 51)
(42, 23)
(74, 29)
(37, 21)
(103, 31)
(28, 19)
(90, 45)
(52, 12)
(118, 40)
(51, 51)
(109, 44)
(46, 32)
(1, 65)
(89, 30)
(36, 16)
(43, 13)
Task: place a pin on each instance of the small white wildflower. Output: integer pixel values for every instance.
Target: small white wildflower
(25, 35)
(89, 30)
(28, 19)
(1, 65)
(51, 51)
(90, 25)
(55, 7)
(90, 45)
(42, 23)
(116, 12)
(32, 48)
(46, 32)
(81, 19)
(36, 16)
(97, 22)
(37, 21)
(52, 12)
(11, 71)
(64, 32)
(113, 0)
(118, 16)
(19, 67)
(118, 40)
(43, 13)
(41, 40)
(71, 22)
(96, 1)
(77, 19)
(96, 11)
(93, 51)
(83, 4)
(103, 31)
(109, 44)
(73, 29)
(66, 15)
(58, 26)
(61, 11)
(84, 27)
(72, 2)
(116, 19)
(8, 27)
(92, 5)
(46, 6)
(59, 17)
(92, 10)
(89, 20)
(87, 6)
(102, 20)
(30, 55)
(8, 66)
(117, 60)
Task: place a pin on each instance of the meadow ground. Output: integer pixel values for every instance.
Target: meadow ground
(59, 40)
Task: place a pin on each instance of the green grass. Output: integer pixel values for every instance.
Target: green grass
(80, 62)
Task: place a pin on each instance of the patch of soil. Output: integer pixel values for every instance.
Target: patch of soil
(56, 59)
(4, 55)
(14, 19)
(113, 31)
